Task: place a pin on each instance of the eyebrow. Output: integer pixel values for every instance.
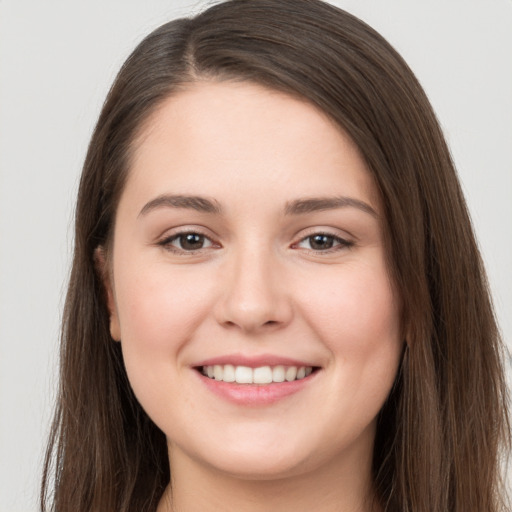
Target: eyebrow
(316, 204)
(198, 203)
(296, 207)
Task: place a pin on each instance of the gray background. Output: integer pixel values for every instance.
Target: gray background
(57, 60)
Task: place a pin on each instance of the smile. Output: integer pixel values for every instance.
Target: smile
(256, 380)
(258, 375)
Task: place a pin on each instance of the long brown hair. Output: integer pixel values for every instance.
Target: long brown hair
(445, 424)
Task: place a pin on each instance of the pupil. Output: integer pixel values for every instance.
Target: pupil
(321, 242)
(191, 241)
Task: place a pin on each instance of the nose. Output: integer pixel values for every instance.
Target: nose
(254, 295)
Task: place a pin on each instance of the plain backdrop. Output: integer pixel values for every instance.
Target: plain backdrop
(57, 61)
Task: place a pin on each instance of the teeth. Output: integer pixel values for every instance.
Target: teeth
(291, 373)
(218, 372)
(243, 375)
(260, 375)
(229, 373)
(278, 374)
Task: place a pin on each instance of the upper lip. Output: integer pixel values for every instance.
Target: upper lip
(253, 361)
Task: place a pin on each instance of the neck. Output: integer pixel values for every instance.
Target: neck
(342, 486)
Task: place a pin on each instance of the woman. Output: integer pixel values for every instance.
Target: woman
(276, 302)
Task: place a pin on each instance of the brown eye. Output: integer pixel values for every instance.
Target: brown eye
(191, 241)
(323, 242)
(186, 242)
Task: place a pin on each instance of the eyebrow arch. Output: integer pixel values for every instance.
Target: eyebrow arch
(315, 204)
(198, 203)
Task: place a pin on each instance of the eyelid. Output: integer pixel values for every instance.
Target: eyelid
(165, 240)
(344, 241)
(173, 234)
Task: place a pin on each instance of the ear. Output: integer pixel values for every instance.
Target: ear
(101, 265)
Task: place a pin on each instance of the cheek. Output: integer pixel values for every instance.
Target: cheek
(358, 320)
(154, 302)
(159, 310)
(357, 316)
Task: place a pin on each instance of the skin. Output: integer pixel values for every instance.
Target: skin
(257, 286)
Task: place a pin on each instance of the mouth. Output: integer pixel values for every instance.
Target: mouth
(257, 380)
(261, 375)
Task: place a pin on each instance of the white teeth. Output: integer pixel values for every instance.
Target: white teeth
(218, 372)
(243, 375)
(229, 373)
(260, 375)
(291, 373)
(278, 374)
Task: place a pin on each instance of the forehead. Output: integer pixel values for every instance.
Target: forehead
(218, 136)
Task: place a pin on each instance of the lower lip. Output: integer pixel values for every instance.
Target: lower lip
(256, 394)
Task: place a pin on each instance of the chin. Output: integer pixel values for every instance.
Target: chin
(249, 460)
(262, 467)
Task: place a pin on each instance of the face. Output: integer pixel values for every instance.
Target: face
(248, 284)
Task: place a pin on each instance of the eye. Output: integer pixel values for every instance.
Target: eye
(186, 242)
(323, 242)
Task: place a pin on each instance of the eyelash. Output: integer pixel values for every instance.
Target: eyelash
(341, 243)
(166, 243)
